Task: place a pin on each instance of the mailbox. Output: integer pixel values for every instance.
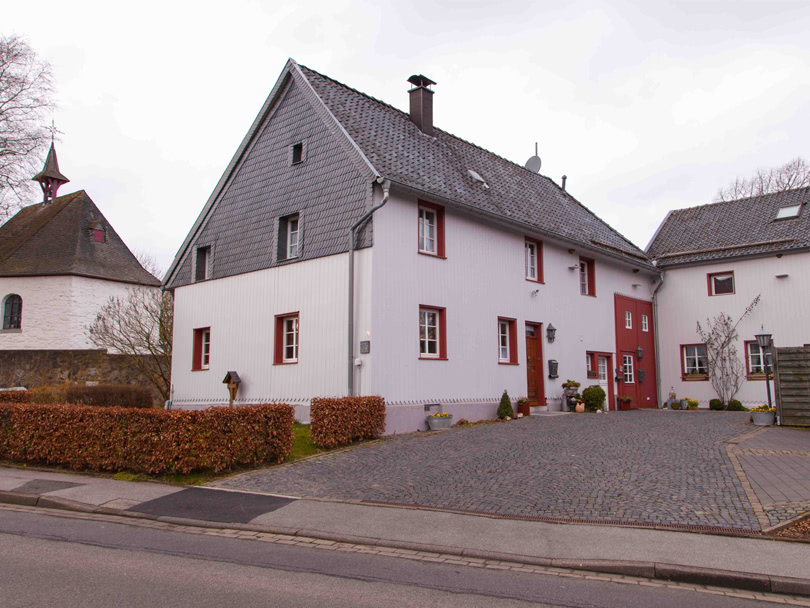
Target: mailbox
(233, 381)
(552, 368)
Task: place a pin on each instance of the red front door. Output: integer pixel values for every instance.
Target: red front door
(534, 368)
(635, 351)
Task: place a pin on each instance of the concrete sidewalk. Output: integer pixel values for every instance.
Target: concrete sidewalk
(756, 564)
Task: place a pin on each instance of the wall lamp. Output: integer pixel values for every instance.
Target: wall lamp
(639, 352)
(551, 333)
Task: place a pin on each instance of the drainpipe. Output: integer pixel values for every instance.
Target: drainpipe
(655, 336)
(386, 186)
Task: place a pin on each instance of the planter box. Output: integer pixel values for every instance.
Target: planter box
(763, 418)
(439, 423)
(625, 405)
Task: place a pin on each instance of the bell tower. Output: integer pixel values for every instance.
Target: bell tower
(50, 179)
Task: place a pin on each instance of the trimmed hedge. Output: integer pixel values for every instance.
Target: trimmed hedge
(110, 395)
(14, 396)
(149, 441)
(716, 404)
(342, 420)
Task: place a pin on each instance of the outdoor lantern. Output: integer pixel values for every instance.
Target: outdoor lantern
(550, 332)
(764, 341)
(639, 352)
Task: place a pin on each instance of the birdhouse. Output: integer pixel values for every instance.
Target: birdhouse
(233, 381)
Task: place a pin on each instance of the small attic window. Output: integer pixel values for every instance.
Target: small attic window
(298, 153)
(788, 212)
(99, 236)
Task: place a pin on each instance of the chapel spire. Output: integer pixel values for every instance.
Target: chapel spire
(50, 179)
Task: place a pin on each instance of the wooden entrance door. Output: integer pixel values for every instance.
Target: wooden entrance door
(534, 367)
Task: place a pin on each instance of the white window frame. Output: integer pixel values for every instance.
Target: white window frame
(289, 339)
(723, 275)
(205, 349)
(428, 231)
(293, 233)
(695, 356)
(601, 363)
(627, 369)
(588, 362)
(584, 288)
(645, 324)
(788, 212)
(503, 342)
(628, 319)
(760, 356)
(531, 260)
(424, 332)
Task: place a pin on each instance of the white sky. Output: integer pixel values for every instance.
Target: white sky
(646, 106)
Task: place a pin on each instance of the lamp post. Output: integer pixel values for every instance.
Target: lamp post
(764, 341)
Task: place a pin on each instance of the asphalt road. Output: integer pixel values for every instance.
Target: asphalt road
(48, 560)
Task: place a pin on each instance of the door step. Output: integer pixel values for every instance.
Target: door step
(537, 409)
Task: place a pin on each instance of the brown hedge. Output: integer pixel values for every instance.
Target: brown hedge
(15, 396)
(340, 421)
(108, 395)
(150, 441)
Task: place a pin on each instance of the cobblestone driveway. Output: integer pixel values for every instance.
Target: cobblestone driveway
(638, 467)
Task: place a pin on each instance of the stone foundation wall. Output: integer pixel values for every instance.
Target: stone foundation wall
(34, 368)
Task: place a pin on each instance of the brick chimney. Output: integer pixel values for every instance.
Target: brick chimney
(422, 103)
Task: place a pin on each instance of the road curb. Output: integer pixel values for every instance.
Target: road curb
(651, 570)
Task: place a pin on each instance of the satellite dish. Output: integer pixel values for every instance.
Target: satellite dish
(533, 164)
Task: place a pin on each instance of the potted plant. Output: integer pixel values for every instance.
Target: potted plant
(441, 420)
(692, 404)
(624, 402)
(763, 415)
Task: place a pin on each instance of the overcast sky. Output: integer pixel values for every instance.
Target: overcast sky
(646, 106)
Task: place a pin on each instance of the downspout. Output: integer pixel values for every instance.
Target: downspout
(386, 186)
(655, 336)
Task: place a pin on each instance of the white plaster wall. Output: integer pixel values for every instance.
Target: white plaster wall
(784, 309)
(240, 311)
(482, 279)
(56, 310)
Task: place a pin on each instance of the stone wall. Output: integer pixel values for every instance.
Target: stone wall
(34, 368)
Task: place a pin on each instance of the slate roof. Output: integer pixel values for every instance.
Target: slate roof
(57, 239)
(439, 165)
(732, 229)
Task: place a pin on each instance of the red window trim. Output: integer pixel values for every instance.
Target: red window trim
(440, 245)
(99, 236)
(693, 377)
(748, 374)
(278, 339)
(442, 332)
(539, 245)
(714, 274)
(591, 277)
(594, 373)
(513, 355)
(196, 355)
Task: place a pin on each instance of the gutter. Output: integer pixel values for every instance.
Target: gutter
(655, 337)
(386, 186)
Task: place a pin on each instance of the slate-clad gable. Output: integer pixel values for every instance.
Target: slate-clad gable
(732, 229)
(327, 190)
(56, 239)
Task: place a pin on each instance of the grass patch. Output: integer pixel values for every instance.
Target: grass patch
(302, 445)
(127, 476)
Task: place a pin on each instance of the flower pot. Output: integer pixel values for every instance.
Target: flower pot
(684, 404)
(624, 405)
(435, 423)
(674, 405)
(762, 418)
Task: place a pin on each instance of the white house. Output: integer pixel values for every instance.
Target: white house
(60, 262)
(352, 248)
(718, 258)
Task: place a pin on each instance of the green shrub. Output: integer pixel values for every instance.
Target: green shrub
(505, 408)
(594, 397)
(716, 404)
(342, 420)
(736, 406)
(109, 395)
(152, 441)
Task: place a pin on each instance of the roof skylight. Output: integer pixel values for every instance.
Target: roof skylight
(787, 212)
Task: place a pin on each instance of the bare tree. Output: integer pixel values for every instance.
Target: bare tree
(26, 92)
(726, 371)
(794, 174)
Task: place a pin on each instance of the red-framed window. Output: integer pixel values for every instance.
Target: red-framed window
(286, 339)
(721, 283)
(507, 341)
(755, 361)
(432, 332)
(533, 260)
(591, 368)
(694, 362)
(430, 232)
(201, 353)
(98, 235)
(587, 277)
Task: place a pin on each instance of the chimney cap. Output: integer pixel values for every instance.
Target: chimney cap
(420, 81)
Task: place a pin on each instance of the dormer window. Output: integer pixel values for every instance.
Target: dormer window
(289, 237)
(99, 236)
(785, 213)
(202, 264)
(297, 153)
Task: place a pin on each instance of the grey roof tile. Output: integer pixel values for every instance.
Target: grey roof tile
(732, 229)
